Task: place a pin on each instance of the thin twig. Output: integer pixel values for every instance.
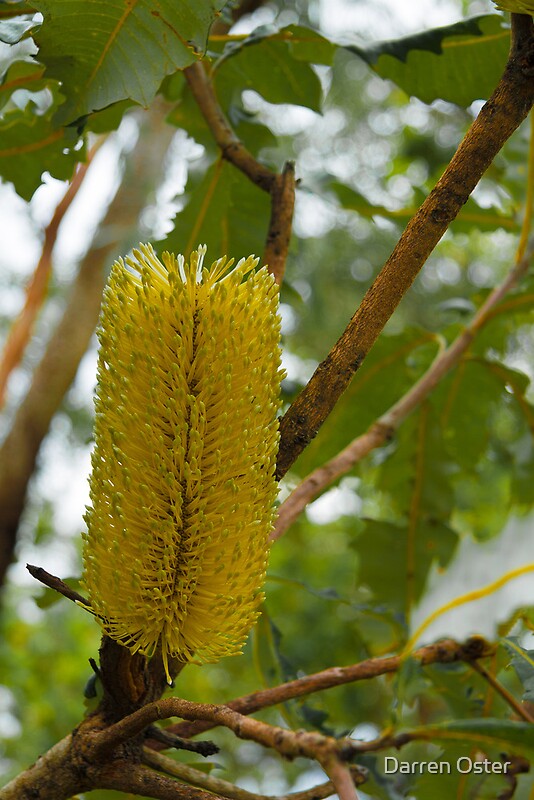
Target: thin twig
(446, 651)
(56, 584)
(382, 430)
(341, 777)
(227, 789)
(281, 187)
(231, 146)
(280, 224)
(21, 329)
(504, 693)
(169, 739)
(498, 119)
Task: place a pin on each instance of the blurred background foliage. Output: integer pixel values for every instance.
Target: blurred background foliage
(371, 122)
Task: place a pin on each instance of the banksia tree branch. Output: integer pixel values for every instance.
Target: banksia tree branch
(443, 652)
(341, 777)
(281, 221)
(232, 148)
(498, 119)
(92, 758)
(382, 430)
(126, 776)
(290, 744)
(281, 187)
(521, 710)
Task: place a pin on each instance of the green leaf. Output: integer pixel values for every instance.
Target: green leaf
(31, 145)
(274, 67)
(417, 474)
(21, 74)
(504, 735)
(516, 6)
(523, 663)
(109, 118)
(45, 525)
(459, 63)
(370, 394)
(457, 687)
(308, 45)
(119, 50)
(465, 783)
(468, 400)
(303, 43)
(226, 212)
(400, 578)
(15, 8)
(409, 682)
(266, 638)
(484, 401)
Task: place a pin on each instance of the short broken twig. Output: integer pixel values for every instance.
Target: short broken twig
(203, 748)
(57, 584)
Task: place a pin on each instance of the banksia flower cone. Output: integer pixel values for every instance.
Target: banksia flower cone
(182, 485)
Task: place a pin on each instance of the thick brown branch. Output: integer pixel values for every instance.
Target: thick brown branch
(54, 776)
(499, 118)
(291, 744)
(36, 290)
(383, 429)
(446, 651)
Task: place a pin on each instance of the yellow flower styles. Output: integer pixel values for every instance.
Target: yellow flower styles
(182, 485)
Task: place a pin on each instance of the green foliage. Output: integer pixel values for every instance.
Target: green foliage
(459, 63)
(276, 65)
(106, 52)
(29, 144)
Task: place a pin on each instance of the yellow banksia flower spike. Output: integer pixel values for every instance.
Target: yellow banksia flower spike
(182, 485)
